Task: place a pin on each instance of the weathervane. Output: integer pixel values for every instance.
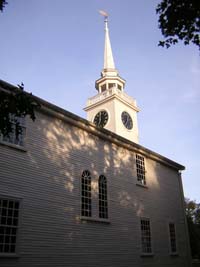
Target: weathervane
(105, 15)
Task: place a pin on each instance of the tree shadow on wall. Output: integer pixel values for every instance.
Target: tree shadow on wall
(58, 153)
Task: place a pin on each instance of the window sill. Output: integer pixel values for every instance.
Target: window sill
(141, 185)
(22, 148)
(92, 219)
(147, 255)
(9, 255)
(174, 254)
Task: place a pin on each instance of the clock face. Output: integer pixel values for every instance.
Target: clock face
(127, 120)
(101, 118)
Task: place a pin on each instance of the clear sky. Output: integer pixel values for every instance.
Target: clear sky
(56, 49)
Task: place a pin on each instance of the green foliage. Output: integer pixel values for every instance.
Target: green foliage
(193, 211)
(193, 218)
(179, 20)
(2, 4)
(15, 104)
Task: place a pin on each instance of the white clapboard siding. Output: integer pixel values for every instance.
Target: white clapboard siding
(46, 177)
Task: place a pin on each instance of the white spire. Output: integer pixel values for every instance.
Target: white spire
(108, 56)
(109, 75)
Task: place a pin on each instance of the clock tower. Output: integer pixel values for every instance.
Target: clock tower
(111, 107)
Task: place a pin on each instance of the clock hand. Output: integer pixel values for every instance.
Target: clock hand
(126, 119)
(100, 119)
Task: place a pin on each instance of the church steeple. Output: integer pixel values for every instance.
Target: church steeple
(109, 75)
(112, 108)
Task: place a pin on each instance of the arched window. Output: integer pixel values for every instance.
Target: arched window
(103, 200)
(86, 200)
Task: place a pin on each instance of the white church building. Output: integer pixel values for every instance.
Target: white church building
(85, 193)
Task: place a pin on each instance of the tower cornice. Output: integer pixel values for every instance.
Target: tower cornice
(109, 95)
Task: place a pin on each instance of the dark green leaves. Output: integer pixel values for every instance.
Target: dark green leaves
(192, 210)
(2, 4)
(14, 105)
(179, 20)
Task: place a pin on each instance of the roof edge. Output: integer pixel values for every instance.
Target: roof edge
(101, 132)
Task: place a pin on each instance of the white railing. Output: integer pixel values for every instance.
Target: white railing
(108, 93)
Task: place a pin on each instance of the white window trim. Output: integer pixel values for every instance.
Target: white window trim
(80, 194)
(18, 147)
(13, 145)
(107, 199)
(169, 239)
(145, 171)
(94, 219)
(141, 185)
(146, 254)
(17, 251)
(95, 213)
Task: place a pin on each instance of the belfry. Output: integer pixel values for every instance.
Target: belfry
(112, 108)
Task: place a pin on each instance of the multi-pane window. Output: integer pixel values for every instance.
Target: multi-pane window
(172, 234)
(103, 200)
(9, 217)
(14, 137)
(140, 167)
(146, 236)
(86, 198)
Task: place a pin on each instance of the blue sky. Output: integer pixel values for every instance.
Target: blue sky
(56, 49)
